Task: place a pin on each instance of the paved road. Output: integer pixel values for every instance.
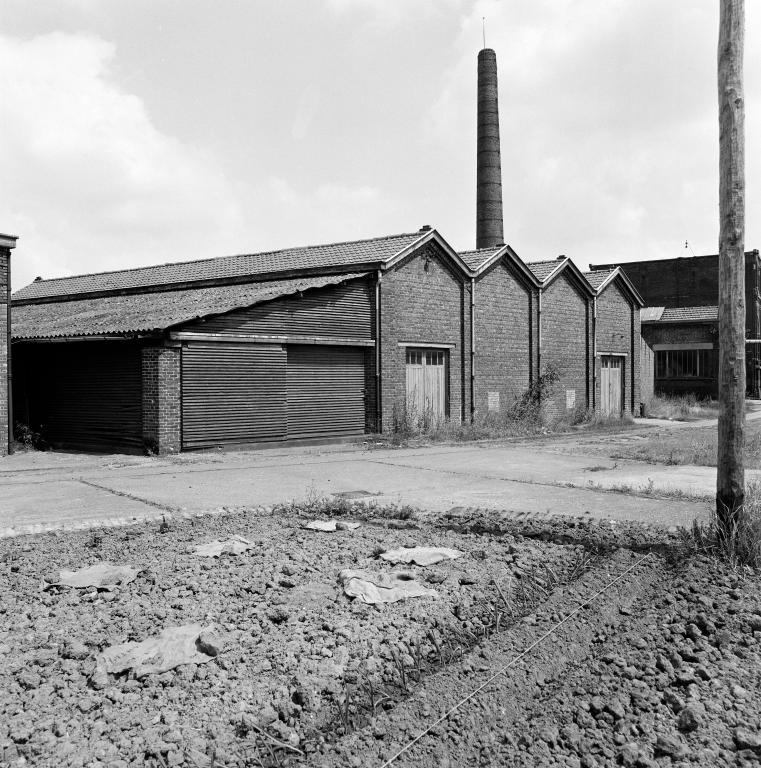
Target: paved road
(45, 490)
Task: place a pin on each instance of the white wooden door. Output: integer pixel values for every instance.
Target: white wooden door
(611, 399)
(426, 384)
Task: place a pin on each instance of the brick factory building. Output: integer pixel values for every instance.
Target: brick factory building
(320, 342)
(680, 327)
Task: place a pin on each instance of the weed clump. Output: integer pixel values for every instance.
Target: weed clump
(739, 541)
(684, 407)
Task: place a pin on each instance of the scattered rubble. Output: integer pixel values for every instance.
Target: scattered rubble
(662, 674)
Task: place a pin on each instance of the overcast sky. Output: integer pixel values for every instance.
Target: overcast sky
(150, 131)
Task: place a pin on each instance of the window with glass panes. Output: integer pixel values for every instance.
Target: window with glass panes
(683, 363)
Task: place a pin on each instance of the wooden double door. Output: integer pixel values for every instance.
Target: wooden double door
(611, 385)
(427, 384)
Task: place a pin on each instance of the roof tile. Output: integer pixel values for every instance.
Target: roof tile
(317, 256)
(598, 277)
(474, 259)
(689, 314)
(543, 269)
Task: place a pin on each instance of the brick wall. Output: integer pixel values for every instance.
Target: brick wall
(615, 328)
(161, 399)
(693, 282)
(647, 371)
(424, 301)
(565, 345)
(503, 349)
(5, 255)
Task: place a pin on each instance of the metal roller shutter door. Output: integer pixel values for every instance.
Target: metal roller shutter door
(326, 391)
(90, 396)
(232, 393)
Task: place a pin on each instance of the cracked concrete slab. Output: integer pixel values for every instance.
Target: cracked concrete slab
(555, 476)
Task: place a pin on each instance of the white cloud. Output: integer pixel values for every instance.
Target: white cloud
(608, 124)
(391, 13)
(89, 181)
(328, 212)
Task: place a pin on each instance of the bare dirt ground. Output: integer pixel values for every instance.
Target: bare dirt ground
(618, 644)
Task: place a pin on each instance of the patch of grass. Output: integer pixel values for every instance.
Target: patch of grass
(648, 491)
(327, 507)
(518, 421)
(741, 544)
(696, 446)
(686, 407)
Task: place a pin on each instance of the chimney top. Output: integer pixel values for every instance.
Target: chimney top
(561, 257)
(38, 279)
(425, 228)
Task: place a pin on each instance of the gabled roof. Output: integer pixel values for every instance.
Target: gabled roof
(543, 269)
(685, 315)
(601, 279)
(548, 271)
(474, 259)
(598, 278)
(482, 260)
(151, 312)
(336, 257)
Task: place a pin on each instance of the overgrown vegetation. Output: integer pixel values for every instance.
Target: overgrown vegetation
(687, 407)
(28, 439)
(328, 507)
(526, 415)
(694, 445)
(739, 541)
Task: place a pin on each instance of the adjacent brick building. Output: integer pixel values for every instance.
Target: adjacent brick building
(680, 324)
(564, 334)
(616, 341)
(505, 295)
(7, 244)
(312, 343)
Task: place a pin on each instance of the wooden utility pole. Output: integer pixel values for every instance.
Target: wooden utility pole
(730, 485)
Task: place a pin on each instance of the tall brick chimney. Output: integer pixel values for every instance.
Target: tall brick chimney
(489, 229)
(7, 242)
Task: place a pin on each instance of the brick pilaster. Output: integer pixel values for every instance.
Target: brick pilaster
(161, 399)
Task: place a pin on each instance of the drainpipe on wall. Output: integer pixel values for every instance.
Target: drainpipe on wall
(594, 353)
(472, 349)
(539, 339)
(378, 399)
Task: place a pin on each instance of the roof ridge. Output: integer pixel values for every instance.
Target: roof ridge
(231, 256)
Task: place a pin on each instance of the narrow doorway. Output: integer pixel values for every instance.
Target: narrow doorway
(611, 391)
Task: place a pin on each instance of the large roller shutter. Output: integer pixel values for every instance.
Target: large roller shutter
(232, 393)
(87, 395)
(326, 391)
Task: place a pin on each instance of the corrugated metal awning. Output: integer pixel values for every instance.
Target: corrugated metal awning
(143, 313)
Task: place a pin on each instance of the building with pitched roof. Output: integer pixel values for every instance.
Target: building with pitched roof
(320, 342)
(679, 350)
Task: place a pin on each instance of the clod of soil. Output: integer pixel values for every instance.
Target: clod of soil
(295, 644)
(658, 668)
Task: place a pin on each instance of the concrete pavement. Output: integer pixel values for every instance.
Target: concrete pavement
(50, 490)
